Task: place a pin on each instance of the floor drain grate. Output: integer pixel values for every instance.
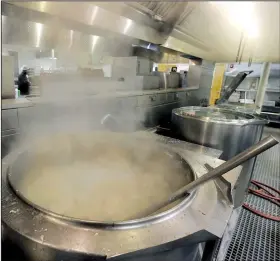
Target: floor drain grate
(257, 238)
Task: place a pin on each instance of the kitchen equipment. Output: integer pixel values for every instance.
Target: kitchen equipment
(246, 101)
(8, 87)
(163, 79)
(43, 235)
(142, 82)
(264, 191)
(194, 75)
(242, 108)
(131, 66)
(233, 86)
(237, 160)
(269, 103)
(226, 130)
(183, 79)
(174, 80)
(105, 170)
(234, 97)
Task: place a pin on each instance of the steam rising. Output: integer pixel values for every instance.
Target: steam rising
(76, 165)
(100, 176)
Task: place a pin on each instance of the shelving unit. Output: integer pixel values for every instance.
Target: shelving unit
(272, 90)
(243, 90)
(273, 93)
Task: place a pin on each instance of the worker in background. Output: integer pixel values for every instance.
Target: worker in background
(184, 83)
(23, 82)
(155, 72)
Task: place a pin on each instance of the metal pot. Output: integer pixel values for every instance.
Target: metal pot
(244, 109)
(226, 130)
(44, 235)
(163, 80)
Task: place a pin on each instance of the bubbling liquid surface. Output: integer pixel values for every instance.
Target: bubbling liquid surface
(101, 176)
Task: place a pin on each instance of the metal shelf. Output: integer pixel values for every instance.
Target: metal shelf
(270, 113)
(253, 76)
(274, 121)
(244, 90)
(272, 90)
(252, 90)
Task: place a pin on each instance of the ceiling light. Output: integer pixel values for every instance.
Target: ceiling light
(241, 15)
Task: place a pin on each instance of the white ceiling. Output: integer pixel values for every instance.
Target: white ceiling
(212, 31)
(221, 32)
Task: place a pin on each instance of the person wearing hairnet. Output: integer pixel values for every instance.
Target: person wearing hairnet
(23, 82)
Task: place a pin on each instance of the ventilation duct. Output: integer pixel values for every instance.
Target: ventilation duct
(149, 51)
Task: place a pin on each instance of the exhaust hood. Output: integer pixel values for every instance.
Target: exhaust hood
(195, 28)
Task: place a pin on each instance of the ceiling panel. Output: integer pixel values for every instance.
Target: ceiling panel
(214, 27)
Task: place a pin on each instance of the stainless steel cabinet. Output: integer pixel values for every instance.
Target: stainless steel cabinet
(149, 100)
(9, 119)
(182, 98)
(128, 102)
(8, 140)
(171, 97)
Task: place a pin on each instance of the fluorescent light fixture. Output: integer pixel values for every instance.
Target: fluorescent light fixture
(53, 57)
(39, 29)
(71, 38)
(127, 26)
(94, 41)
(94, 13)
(240, 14)
(42, 6)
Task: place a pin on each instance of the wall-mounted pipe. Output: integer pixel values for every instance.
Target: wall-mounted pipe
(262, 86)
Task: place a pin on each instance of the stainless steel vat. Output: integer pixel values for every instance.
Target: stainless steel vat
(163, 80)
(226, 130)
(46, 236)
(174, 80)
(241, 108)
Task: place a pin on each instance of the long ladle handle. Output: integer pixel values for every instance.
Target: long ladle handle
(237, 160)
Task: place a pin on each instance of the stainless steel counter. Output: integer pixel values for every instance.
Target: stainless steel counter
(15, 103)
(183, 145)
(31, 101)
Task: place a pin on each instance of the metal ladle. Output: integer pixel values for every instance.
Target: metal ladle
(237, 160)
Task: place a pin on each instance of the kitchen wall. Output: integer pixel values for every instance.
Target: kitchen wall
(203, 93)
(27, 57)
(7, 69)
(273, 89)
(274, 82)
(180, 66)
